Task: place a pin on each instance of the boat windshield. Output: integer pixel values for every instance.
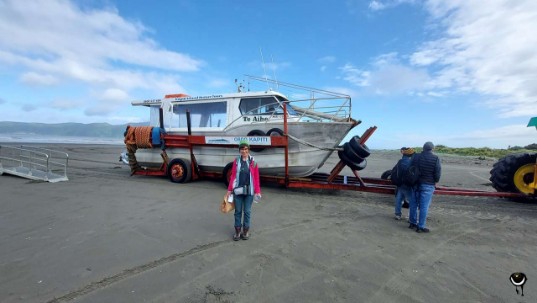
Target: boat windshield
(264, 106)
(202, 115)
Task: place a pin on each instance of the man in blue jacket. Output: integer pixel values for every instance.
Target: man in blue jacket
(430, 171)
(403, 191)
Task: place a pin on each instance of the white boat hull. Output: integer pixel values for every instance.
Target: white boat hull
(303, 159)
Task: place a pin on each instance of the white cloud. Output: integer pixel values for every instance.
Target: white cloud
(355, 76)
(517, 134)
(114, 94)
(65, 104)
(486, 49)
(387, 76)
(377, 5)
(34, 78)
(58, 42)
(327, 60)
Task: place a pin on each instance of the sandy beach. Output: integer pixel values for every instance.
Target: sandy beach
(106, 236)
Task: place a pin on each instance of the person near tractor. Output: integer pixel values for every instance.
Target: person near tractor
(403, 191)
(244, 186)
(429, 174)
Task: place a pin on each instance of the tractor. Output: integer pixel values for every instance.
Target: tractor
(515, 172)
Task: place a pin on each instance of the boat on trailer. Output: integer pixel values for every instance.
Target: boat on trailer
(315, 125)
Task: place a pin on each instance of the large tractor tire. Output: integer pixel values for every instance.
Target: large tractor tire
(514, 173)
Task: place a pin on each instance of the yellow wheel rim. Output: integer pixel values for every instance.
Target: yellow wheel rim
(523, 179)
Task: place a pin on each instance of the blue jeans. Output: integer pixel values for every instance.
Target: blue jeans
(424, 195)
(243, 204)
(403, 191)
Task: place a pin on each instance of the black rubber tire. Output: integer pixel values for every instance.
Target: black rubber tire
(275, 132)
(349, 152)
(387, 175)
(256, 132)
(360, 149)
(179, 170)
(351, 164)
(226, 173)
(503, 172)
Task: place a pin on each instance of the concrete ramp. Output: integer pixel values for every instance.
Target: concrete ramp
(34, 163)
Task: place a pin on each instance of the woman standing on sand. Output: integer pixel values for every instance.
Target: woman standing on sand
(243, 185)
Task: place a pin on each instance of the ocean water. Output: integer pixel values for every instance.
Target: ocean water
(24, 138)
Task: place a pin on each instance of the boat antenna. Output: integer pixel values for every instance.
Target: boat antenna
(239, 86)
(274, 73)
(264, 70)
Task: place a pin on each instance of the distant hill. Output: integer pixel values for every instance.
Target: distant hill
(96, 130)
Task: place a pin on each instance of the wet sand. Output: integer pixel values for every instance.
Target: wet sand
(106, 236)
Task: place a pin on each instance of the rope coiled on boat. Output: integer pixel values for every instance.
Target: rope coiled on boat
(137, 137)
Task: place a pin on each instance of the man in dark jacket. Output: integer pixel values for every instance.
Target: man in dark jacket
(430, 171)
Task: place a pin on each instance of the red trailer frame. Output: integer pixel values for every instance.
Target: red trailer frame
(315, 181)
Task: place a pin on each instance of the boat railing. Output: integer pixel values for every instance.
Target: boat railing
(34, 163)
(331, 108)
(317, 109)
(312, 103)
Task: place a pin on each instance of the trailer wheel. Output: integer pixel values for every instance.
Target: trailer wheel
(349, 152)
(179, 170)
(514, 173)
(226, 173)
(352, 165)
(360, 149)
(256, 132)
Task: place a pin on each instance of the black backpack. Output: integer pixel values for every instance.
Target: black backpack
(412, 175)
(397, 174)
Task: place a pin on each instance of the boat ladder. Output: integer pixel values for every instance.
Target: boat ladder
(34, 163)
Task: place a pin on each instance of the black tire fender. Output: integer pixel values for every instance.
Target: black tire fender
(256, 132)
(275, 132)
(349, 152)
(360, 149)
(351, 164)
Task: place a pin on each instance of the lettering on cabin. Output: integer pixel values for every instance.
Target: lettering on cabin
(255, 119)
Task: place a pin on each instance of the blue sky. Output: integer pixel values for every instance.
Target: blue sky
(458, 73)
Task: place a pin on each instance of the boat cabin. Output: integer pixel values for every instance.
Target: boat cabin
(217, 112)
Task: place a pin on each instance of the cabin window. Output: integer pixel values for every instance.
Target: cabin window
(202, 115)
(154, 116)
(259, 106)
(262, 106)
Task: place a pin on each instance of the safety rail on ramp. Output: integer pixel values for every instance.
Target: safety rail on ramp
(34, 163)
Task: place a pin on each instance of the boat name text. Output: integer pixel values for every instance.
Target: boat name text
(255, 119)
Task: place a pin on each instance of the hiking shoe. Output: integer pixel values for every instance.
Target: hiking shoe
(422, 230)
(412, 226)
(397, 217)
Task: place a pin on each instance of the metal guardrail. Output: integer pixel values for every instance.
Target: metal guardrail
(34, 163)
